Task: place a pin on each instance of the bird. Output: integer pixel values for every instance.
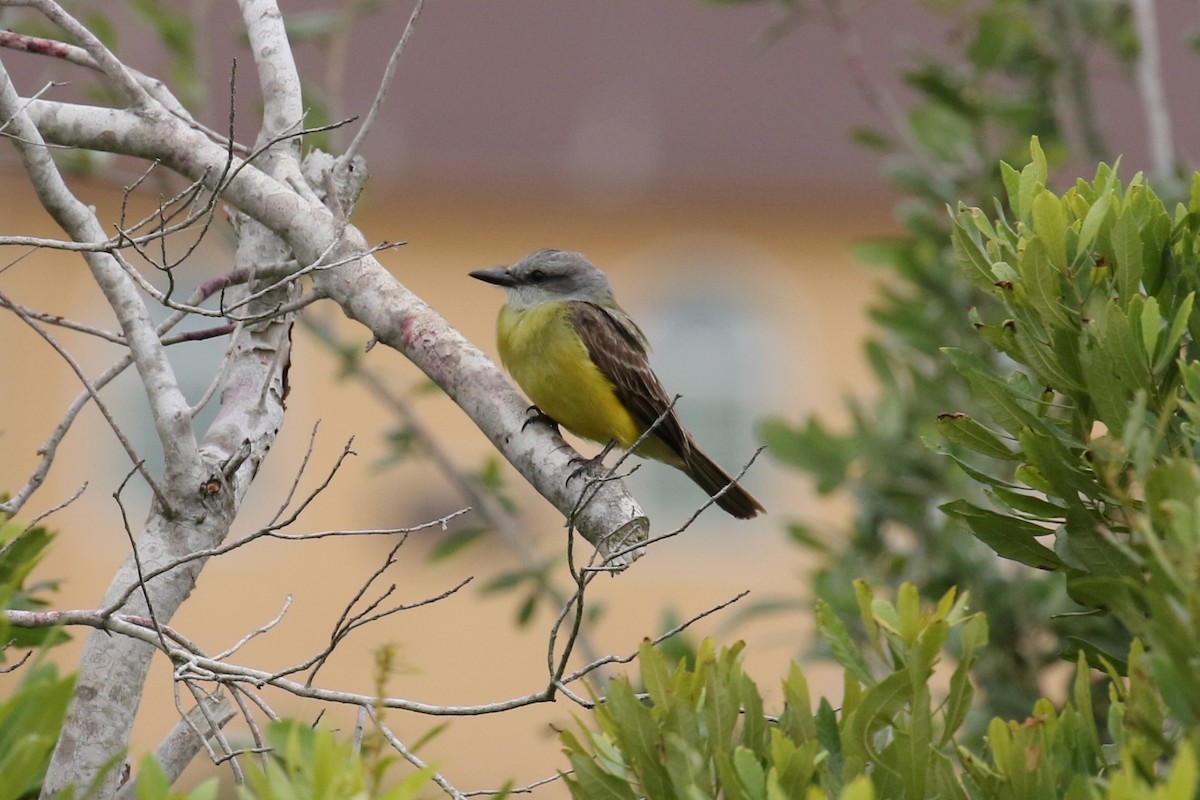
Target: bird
(584, 364)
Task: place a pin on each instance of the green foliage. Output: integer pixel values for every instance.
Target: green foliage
(305, 763)
(154, 784)
(31, 717)
(1005, 74)
(703, 732)
(30, 720)
(1093, 296)
(21, 548)
(310, 764)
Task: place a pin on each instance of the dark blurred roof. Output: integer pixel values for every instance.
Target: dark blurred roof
(627, 95)
(619, 93)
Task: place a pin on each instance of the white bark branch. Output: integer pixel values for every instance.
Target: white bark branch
(367, 293)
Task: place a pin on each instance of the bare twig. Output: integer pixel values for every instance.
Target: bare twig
(287, 603)
(528, 788)
(291, 493)
(93, 393)
(49, 448)
(270, 533)
(62, 322)
(692, 518)
(384, 85)
(347, 623)
(662, 637)
(412, 757)
(59, 507)
(137, 560)
(187, 738)
(192, 664)
(19, 663)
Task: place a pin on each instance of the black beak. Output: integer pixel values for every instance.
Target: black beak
(500, 276)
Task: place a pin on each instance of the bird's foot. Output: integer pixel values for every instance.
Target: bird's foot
(535, 414)
(586, 464)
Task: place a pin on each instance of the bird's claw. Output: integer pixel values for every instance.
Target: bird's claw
(586, 464)
(535, 414)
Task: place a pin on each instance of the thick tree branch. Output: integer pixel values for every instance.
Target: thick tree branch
(367, 293)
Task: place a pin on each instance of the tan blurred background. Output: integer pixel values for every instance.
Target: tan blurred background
(708, 172)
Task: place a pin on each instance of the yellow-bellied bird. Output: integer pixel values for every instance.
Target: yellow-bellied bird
(582, 361)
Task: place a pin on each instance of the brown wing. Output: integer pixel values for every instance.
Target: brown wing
(618, 348)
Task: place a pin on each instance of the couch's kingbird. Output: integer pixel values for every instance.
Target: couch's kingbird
(582, 361)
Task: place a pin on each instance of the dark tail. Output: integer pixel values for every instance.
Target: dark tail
(712, 479)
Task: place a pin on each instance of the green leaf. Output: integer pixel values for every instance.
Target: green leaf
(797, 719)
(1130, 360)
(686, 767)
(1010, 537)
(962, 692)
(990, 392)
(1032, 179)
(841, 644)
(526, 609)
(1150, 321)
(507, 580)
(594, 782)
(1057, 466)
(1099, 552)
(880, 704)
(754, 724)
(152, 781)
(1178, 326)
(1027, 503)
(750, 773)
(969, 253)
(655, 677)
(1011, 178)
(638, 737)
(731, 784)
(1182, 783)
(455, 542)
(869, 138)
(1090, 228)
(961, 429)
(721, 709)
(941, 129)
(1050, 225)
(1042, 278)
(30, 721)
(22, 551)
(860, 788)
(1127, 250)
(1044, 362)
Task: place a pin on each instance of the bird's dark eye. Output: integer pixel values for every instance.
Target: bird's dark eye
(537, 276)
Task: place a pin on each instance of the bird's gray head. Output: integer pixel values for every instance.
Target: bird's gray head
(550, 275)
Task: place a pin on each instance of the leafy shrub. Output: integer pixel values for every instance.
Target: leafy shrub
(703, 732)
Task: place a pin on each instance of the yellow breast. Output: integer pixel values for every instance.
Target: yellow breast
(550, 362)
